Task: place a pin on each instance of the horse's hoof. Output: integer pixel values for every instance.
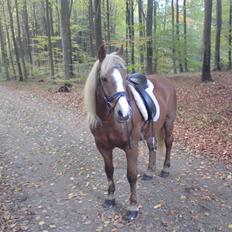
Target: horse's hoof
(131, 215)
(109, 203)
(146, 177)
(164, 174)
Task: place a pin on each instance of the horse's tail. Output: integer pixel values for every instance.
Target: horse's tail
(161, 144)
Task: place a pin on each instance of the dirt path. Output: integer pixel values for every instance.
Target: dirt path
(52, 179)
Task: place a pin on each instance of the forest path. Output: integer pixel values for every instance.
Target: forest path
(52, 178)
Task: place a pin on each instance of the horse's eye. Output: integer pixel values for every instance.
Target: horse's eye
(104, 79)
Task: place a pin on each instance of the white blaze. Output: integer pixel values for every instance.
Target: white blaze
(122, 103)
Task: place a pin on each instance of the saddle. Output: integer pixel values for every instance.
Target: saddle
(140, 83)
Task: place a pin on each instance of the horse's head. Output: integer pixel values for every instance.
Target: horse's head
(112, 79)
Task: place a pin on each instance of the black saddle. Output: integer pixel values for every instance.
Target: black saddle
(139, 81)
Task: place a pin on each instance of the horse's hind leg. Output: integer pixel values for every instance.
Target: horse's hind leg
(109, 170)
(168, 128)
(152, 146)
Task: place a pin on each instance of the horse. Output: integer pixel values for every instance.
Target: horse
(115, 121)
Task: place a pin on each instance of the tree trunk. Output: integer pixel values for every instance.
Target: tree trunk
(65, 12)
(43, 16)
(51, 19)
(34, 22)
(185, 38)
(26, 27)
(35, 26)
(141, 35)
(108, 21)
(132, 35)
(230, 36)
(91, 29)
(217, 64)
(20, 42)
(149, 68)
(178, 36)
(173, 38)
(14, 41)
(206, 72)
(52, 69)
(9, 44)
(97, 5)
(57, 25)
(5, 71)
(127, 31)
(154, 36)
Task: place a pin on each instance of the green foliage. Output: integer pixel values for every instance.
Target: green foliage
(81, 29)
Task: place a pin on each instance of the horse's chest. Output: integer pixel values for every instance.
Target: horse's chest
(108, 135)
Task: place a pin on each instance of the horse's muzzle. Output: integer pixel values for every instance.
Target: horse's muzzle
(122, 118)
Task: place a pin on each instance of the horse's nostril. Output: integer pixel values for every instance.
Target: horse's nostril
(120, 114)
(121, 117)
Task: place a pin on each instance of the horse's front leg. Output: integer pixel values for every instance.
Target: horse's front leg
(132, 157)
(109, 170)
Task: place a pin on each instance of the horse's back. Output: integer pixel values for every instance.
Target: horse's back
(164, 91)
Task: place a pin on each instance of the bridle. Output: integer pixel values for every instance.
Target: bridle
(111, 101)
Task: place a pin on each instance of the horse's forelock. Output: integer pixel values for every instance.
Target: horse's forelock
(109, 61)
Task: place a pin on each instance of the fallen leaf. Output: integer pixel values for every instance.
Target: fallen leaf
(72, 195)
(87, 222)
(183, 197)
(161, 204)
(41, 223)
(52, 226)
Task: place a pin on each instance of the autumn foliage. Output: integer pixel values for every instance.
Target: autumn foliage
(204, 121)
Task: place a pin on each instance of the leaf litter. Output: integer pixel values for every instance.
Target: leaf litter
(204, 116)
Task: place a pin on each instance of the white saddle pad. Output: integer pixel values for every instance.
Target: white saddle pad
(140, 104)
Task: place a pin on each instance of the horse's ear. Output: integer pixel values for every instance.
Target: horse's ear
(119, 51)
(102, 52)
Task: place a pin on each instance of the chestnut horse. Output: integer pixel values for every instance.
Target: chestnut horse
(115, 121)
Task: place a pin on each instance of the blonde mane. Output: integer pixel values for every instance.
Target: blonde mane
(91, 85)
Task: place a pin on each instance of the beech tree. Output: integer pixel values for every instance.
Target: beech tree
(26, 32)
(4, 67)
(178, 37)
(91, 28)
(149, 22)
(50, 52)
(10, 13)
(98, 25)
(130, 34)
(185, 37)
(206, 72)
(230, 35)
(173, 37)
(155, 47)
(9, 46)
(141, 34)
(217, 63)
(65, 11)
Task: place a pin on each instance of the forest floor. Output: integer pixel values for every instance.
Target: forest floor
(52, 178)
